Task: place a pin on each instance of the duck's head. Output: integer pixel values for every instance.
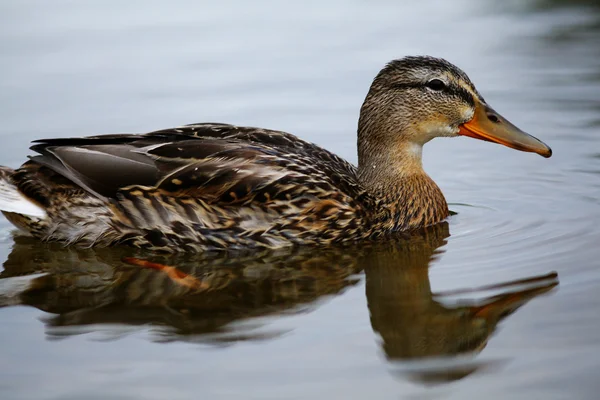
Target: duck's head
(415, 99)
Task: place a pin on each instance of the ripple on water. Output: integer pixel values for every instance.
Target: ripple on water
(484, 239)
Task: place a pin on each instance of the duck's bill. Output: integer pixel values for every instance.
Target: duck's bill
(488, 125)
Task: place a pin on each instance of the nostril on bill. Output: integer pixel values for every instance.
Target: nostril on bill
(493, 118)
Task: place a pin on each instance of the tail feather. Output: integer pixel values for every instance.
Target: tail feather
(12, 200)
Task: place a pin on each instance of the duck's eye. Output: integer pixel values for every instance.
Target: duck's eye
(436, 84)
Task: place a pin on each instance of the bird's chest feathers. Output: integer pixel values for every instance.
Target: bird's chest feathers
(412, 203)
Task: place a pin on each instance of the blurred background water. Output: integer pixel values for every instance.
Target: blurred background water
(378, 322)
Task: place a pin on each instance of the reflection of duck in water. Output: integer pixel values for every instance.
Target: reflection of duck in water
(414, 325)
(203, 295)
(199, 296)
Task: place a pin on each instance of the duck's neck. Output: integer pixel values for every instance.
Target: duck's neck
(409, 198)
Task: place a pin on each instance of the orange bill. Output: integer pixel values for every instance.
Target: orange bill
(488, 125)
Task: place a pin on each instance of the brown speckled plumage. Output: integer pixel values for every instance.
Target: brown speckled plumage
(216, 186)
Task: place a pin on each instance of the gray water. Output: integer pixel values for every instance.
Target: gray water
(424, 317)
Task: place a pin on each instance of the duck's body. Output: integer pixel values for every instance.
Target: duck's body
(215, 186)
(203, 186)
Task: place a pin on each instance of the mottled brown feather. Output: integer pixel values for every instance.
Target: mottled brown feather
(214, 187)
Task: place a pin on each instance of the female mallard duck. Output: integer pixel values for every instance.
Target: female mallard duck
(216, 186)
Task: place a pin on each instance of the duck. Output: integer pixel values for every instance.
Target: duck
(213, 186)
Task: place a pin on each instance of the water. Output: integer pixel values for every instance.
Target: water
(425, 317)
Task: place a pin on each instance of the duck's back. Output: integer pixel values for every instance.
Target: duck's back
(196, 187)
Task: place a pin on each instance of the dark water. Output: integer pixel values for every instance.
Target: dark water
(441, 314)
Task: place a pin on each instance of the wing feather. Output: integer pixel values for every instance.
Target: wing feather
(218, 163)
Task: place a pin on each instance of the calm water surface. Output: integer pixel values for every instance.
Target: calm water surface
(466, 309)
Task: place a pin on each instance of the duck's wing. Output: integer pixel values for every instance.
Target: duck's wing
(100, 165)
(217, 163)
